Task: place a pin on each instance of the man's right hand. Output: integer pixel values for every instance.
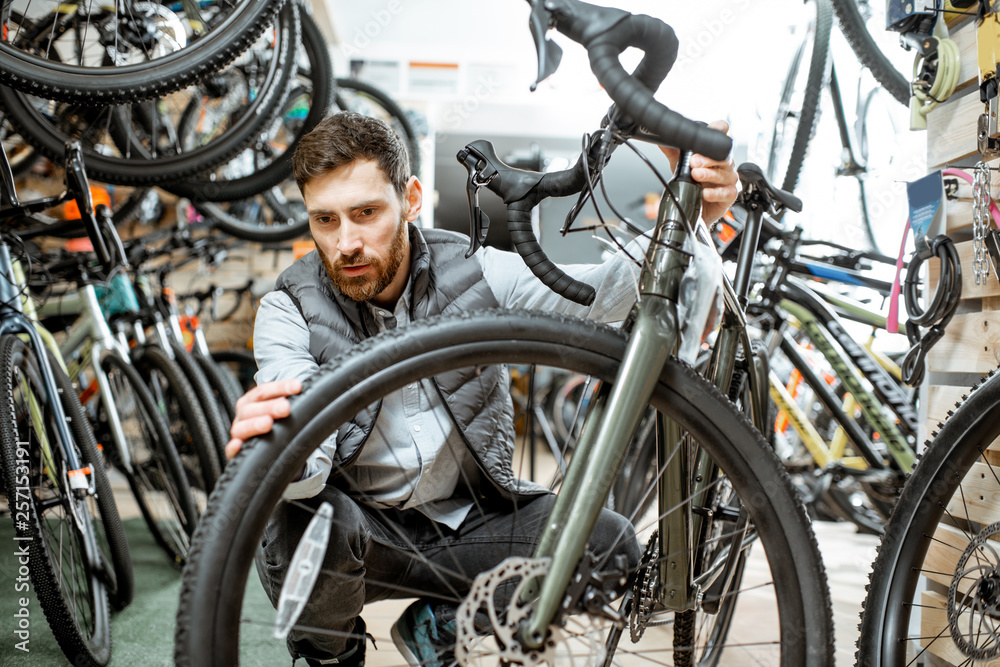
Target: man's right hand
(257, 409)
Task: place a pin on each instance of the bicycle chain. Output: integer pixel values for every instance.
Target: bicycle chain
(982, 597)
(980, 221)
(644, 589)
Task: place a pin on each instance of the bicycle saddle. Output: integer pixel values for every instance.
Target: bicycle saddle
(773, 198)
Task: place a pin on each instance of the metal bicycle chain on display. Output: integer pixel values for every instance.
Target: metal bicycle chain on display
(980, 221)
(981, 599)
(647, 580)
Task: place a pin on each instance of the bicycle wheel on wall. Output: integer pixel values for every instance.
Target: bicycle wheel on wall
(798, 108)
(863, 24)
(71, 593)
(268, 161)
(220, 612)
(137, 143)
(277, 213)
(133, 51)
(933, 589)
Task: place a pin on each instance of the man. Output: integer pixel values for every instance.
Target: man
(374, 270)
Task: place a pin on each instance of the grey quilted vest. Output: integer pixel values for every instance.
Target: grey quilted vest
(443, 281)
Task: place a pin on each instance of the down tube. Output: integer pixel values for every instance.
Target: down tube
(653, 338)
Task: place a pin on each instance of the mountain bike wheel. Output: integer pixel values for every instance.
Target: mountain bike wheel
(157, 479)
(937, 561)
(268, 161)
(119, 579)
(277, 213)
(859, 21)
(205, 398)
(137, 51)
(226, 391)
(239, 362)
(798, 109)
(175, 400)
(69, 588)
(216, 603)
(137, 143)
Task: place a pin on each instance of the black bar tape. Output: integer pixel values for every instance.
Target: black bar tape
(635, 99)
(523, 238)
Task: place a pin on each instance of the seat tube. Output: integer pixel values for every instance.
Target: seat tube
(653, 338)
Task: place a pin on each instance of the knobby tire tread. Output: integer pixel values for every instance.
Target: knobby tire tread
(215, 550)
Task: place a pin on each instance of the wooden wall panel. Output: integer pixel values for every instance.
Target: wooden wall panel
(971, 344)
(951, 129)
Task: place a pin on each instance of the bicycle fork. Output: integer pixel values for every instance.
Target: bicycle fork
(654, 336)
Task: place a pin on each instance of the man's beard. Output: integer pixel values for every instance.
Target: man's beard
(366, 287)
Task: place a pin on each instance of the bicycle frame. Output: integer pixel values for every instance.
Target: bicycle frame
(654, 335)
(14, 321)
(808, 308)
(91, 337)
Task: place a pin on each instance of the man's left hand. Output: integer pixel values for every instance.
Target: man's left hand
(717, 178)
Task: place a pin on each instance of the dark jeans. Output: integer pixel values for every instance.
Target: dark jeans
(378, 554)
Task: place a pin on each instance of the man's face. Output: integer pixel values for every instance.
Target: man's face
(359, 225)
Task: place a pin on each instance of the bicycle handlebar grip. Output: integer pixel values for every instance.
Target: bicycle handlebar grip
(521, 234)
(633, 93)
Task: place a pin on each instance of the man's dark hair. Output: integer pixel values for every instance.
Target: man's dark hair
(344, 137)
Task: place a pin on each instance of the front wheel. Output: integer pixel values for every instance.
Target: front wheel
(220, 610)
(53, 524)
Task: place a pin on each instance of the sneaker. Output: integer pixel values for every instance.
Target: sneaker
(425, 634)
(353, 655)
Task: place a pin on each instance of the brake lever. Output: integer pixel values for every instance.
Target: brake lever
(481, 173)
(549, 53)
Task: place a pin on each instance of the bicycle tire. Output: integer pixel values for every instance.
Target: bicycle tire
(159, 483)
(136, 165)
(52, 79)
(933, 510)
(808, 114)
(242, 364)
(320, 95)
(868, 52)
(188, 425)
(80, 620)
(214, 582)
(120, 579)
(205, 398)
(225, 391)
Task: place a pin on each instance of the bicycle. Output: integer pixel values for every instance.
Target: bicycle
(54, 478)
(702, 438)
(794, 311)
